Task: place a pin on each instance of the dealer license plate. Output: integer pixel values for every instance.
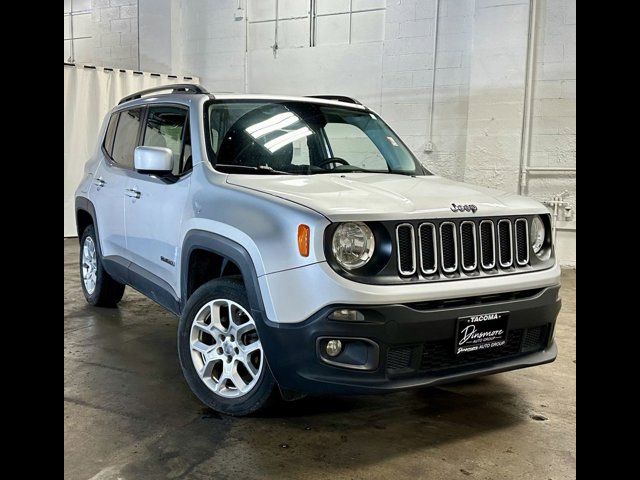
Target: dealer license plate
(481, 332)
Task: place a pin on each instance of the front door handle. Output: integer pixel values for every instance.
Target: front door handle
(99, 182)
(130, 192)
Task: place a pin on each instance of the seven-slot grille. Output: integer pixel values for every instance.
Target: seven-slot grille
(462, 247)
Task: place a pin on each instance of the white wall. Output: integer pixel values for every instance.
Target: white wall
(206, 38)
(553, 139)
(353, 70)
(497, 92)
(115, 34)
(408, 79)
(155, 36)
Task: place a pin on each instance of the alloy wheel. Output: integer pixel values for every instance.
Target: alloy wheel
(225, 348)
(89, 265)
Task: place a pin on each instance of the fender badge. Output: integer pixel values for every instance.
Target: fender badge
(166, 260)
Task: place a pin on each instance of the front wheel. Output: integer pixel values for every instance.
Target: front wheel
(220, 351)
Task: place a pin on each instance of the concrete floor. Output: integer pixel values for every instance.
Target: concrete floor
(130, 415)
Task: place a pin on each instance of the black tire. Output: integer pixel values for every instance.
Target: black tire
(107, 292)
(262, 393)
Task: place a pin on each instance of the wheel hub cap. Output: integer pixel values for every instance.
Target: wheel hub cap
(225, 348)
(89, 265)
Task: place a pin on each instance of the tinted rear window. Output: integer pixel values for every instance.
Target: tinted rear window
(126, 137)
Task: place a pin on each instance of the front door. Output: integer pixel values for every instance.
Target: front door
(154, 205)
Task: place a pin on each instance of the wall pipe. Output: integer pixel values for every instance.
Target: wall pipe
(527, 117)
(275, 45)
(138, 29)
(73, 49)
(246, 45)
(436, 19)
(550, 169)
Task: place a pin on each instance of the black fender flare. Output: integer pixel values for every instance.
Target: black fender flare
(226, 248)
(86, 205)
(118, 269)
(83, 203)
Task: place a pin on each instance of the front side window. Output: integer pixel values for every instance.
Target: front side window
(303, 138)
(165, 127)
(126, 138)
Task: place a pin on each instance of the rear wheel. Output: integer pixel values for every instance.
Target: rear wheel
(220, 350)
(99, 288)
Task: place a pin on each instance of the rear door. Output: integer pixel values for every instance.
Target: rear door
(111, 180)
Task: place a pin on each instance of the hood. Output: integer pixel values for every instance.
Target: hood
(377, 196)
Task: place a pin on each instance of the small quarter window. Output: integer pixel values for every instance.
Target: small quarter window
(111, 133)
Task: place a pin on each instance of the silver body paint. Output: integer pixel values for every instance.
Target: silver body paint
(262, 213)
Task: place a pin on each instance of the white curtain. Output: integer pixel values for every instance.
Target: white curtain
(89, 93)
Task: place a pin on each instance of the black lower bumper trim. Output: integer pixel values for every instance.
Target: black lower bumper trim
(415, 347)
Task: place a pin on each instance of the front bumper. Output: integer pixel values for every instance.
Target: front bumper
(414, 343)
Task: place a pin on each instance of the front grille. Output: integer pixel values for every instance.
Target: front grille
(449, 247)
(522, 241)
(428, 248)
(488, 244)
(399, 358)
(468, 245)
(505, 243)
(453, 247)
(440, 355)
(535, 338)
(406, 249)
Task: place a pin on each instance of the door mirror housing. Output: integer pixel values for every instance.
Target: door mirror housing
(157, 160)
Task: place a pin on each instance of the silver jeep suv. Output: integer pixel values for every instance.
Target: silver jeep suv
(306, 250)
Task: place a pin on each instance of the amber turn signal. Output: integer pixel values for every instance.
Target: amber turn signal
(303, 240)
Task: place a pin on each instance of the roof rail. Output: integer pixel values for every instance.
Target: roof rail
(175, 88)
(337, 98)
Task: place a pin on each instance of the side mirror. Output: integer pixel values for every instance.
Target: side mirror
(153, 160)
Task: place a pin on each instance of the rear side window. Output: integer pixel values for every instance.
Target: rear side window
(111, 133)
(166, 128)
(126, 137)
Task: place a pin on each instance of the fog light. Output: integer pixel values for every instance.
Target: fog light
(333, 348)
(346, 315)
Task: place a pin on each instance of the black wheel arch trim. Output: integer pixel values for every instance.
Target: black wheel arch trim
(228, 249)
(85, 205)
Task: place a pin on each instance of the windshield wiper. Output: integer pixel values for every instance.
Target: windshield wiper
(261, 169)
(346, 169)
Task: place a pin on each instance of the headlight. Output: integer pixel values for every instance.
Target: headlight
(537, 235)
(352, 245)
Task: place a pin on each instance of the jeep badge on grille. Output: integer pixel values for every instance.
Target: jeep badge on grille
(463, 208)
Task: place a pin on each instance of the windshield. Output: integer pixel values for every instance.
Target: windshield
(303, 138)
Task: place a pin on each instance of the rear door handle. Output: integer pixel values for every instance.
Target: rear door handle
(99, 182)
(130, 192)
